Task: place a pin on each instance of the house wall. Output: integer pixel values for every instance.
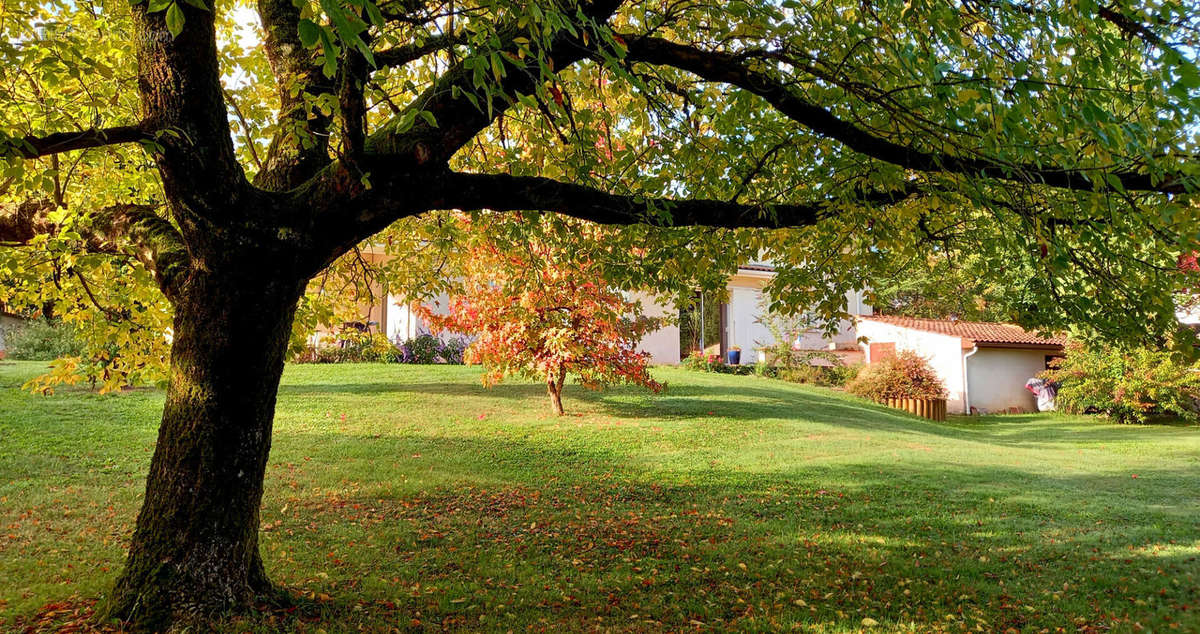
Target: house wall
(403, 323)
(390, 314)
(743, 323)
(945, 354)
(996, 378)
(744, 326)
(8, 323)
(662, 344)
(846, 335)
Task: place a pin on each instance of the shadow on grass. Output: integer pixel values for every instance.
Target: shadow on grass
(594, 542)
(555, 534)
(776, 401)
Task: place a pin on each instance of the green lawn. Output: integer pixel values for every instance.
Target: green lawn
(408, 497)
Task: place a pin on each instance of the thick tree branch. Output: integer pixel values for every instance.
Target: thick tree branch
(344, 211)
(20, 223)
(1133, 28)
(300, 147)
(458, 120)
(33, 146)
(503, 192)
(1111, 13)
(731, 69)
(401, 55)
(344, 222)
(352, 100)
(179, 81)
(135, 230)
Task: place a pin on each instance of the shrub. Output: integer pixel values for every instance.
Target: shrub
(841, 374)
(40, 340)
(351, 346)
(700, 362)
(364, 348)
(453, 350)
(786, 357)
(796, 365)
(714, 363)
(1127, 385)
(836, 375)
(422, 349)
(427, 349)
(808, 374)
(314, 354)
(903, 375)
(356, 347)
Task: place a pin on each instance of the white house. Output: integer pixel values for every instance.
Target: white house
(984, 366)
(741, 322)
(740, 319)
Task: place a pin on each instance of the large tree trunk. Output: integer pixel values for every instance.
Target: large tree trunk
(195, 549)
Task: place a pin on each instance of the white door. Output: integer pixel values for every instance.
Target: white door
(745, 329)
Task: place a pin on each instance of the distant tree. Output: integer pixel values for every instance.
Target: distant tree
(544, 311)
(942, 285)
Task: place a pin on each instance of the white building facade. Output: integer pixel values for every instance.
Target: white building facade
(984, 366)
(741, 322)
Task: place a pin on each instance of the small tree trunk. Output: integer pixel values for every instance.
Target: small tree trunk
(554, 385)
(195, 548)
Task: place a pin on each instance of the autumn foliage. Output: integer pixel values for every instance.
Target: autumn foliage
(542, 310)
(905, 374)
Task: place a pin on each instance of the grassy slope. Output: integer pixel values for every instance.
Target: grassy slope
(402, 494)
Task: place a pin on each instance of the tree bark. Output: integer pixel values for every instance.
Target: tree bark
(554, 385)
(194, 552)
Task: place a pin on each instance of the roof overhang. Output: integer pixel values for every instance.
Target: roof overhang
(1011, 346)
(755, 272)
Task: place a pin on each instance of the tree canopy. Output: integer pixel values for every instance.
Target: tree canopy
(1055, 141)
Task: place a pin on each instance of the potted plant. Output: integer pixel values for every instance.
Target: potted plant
(734, 356)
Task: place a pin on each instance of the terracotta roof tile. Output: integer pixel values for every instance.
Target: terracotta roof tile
(977, 332)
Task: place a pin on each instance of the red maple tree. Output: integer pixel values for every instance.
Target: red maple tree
(544, 312)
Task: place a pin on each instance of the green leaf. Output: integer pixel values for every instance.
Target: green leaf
(309, 33)
(374, 15)
(1189, 76)
(329, 68)
(497, 67)
(1114, 182)
(175, 19)
(199, 4)
(366, 51)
